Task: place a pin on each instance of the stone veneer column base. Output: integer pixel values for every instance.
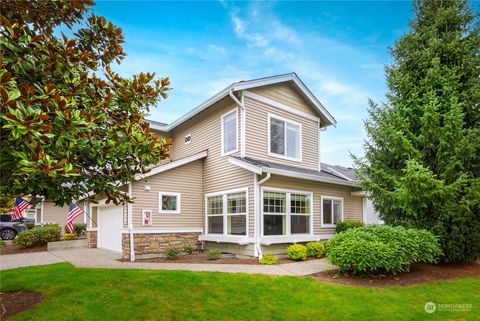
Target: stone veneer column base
(91, 239)
(156, 243)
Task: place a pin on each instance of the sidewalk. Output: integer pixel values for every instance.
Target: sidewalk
(98, 258)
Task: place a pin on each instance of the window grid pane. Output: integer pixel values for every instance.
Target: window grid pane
(236, 203)
(327, 211)
(277, 136)
(230, 132)
(215, 224)
(293, 140)
(300, 224)
(237, 225)
(274, 202)
(274, 224)
(169, 203)
(215, 205)
(337, 211)
(300, 204)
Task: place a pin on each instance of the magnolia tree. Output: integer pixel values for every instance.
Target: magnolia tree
(422, 156)
(69, 124)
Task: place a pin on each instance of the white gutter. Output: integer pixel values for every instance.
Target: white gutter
(258, 222)
(242, 121)
(309, 177)
(130, 224)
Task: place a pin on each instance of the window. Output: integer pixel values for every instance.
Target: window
(286, 213)
(169, 203)
(285, 138)
(227, 213)
(229, 132)
(332, 211)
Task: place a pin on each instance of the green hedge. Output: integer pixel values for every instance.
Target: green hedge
(382, 248)
(38, 236)
(316, 249)
(346, 225)
(297, 252)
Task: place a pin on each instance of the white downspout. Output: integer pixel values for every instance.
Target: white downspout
(258, 217)
(41, 213)
(242, 121)
(130, 224)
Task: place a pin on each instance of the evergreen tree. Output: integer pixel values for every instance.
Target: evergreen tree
(422, 156)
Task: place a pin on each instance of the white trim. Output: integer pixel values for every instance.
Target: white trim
(322, 197)
(92, 229)
(281, 106)
(364, 209)
(359, 193)
(41, 212)
(148, 230)
(223, 153)
(285, 120)
(309, 177)
(319, 148)
(244, 85)
(179, 202)
(243, 126)
(224, 210)
(245, 165)
(165, 167)
(294, 238)
(287, 214)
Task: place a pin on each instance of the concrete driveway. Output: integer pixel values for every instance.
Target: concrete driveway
(98, 258)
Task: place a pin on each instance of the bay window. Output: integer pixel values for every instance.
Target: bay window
(332, 211)
(284, 137)
(229, 132)
(227, 213)
(286, 213)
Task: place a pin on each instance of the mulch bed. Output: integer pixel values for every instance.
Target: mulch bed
(15, 302)
(419, 273)
(12, 249)
(196, 258)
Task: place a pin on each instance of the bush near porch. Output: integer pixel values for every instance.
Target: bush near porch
(38, 235)
(382, 248)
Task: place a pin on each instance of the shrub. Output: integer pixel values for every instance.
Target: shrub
(2, 243)
(346, 225)
(214, 254)
(38, 236)
(172, 252)
(68, 236)
(297, 252)
(316, 249)
(269, 259)
(30, 225)
(188, 248)
(381, 248)
(79, 228)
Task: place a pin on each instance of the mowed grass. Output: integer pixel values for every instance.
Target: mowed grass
(102, 294)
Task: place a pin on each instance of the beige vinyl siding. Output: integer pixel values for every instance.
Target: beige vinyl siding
(186, 180)
(285, 93)
(58, 215)
(352, 206)
(257, 133)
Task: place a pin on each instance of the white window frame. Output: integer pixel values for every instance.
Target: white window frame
(288, 211)
(333, 198)
(225, 214)
(223, 153)
(179, 202)
(285, 120)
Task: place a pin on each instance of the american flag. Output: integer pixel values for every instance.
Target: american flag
(20, 206)
(73, 212)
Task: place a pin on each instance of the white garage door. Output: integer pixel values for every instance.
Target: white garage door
(110, 223)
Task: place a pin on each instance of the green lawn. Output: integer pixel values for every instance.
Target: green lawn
(100, 294)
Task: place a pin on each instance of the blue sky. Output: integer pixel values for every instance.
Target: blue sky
(337, 48)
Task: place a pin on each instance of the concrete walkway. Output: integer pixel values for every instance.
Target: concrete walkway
(97, 258)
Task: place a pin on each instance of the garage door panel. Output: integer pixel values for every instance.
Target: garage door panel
(110, 221)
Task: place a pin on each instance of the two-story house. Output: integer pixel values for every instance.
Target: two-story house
(245, 177)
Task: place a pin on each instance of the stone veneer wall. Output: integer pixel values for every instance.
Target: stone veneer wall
(91, 239)
(156, 243)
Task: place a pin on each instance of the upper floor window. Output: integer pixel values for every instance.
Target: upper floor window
(285, 140)
(229, 132)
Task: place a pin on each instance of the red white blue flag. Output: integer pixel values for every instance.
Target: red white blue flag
(73, 212)
(20, 206)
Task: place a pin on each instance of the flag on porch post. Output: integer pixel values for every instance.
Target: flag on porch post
(20, 206)
(73, 212)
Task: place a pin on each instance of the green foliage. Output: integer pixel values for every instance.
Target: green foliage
(30, 225)
(316, 249)
(7, 203)
(188, 248)
(68, 236)
(297, 252)
(79, 229)
(2, 243)
(69, 124)
(172, 252)
(268, 259)
(345, 225)
(382, 248)
(422, 156)
(214, 254)
(38, 236)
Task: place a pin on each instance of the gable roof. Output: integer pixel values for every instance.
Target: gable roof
(326, 118)
(324, 175)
